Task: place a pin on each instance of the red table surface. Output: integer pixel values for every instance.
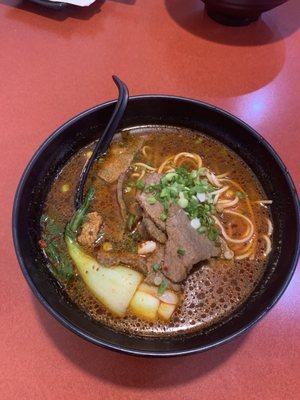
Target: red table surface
(53, 65)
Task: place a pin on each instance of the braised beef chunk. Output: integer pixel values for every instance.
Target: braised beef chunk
(110, 258)
(90, 229)
(142, 231)
(153, 211)
(120, 157)
(153, 231)
(185, 247)
(142, 263)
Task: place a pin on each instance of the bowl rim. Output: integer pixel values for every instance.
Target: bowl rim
(121, 348)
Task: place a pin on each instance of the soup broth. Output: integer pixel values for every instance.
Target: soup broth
(214, 288)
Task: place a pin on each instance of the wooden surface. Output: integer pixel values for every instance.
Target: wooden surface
(54, 65)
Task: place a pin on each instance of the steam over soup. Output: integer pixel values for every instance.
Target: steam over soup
(173, 235)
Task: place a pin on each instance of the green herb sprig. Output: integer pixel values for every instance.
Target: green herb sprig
(53, 245)
(78, 217)
(162, 287)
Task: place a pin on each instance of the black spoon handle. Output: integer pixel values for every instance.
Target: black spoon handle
(105, 139)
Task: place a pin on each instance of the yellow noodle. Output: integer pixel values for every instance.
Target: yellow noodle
(143, 165)
(194, 156)
(222, 175)
(270, 227)
(228, 203)
(135, 175)
(141, 175)
(162, 166)
(218, 192)
(268, 245)
(245, 255)
(242, 250)
(248, 205)
(213, 179)
(262, 202)
(169, 170)
(144, 151)
(228, 238)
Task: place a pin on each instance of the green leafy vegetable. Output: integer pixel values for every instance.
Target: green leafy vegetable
(162, 287)
(79, 215)
(54, 247)
(53, 243)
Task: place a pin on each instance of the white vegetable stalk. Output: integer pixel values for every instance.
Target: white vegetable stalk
(121, 288)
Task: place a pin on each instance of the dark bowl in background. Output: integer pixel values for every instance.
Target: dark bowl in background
(162, 110)
(239, 12)
(58, 6)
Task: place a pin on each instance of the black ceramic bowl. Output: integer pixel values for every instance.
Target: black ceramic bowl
(239, 12)
(164, 110)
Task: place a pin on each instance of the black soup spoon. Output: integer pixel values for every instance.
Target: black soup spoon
(104, 141)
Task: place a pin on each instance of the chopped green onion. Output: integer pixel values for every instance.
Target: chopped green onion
(181, 187)
(156, 267)
(209, 198)
(162, 287)
(169, 176)
(140, 184)
(201, 230)
(212, 234)
(165, 192)
(151, 200)
(182, 202)
(194, 174)
(180, 251)
(163, 216)
(202, 171)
